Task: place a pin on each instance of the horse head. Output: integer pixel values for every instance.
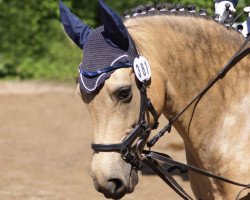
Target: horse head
(184, 51)
(110, 89)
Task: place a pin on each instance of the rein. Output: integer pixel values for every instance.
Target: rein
(131, 149)
(237, 57)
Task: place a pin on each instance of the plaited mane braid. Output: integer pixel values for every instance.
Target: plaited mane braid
(165, 9)
(170, 9)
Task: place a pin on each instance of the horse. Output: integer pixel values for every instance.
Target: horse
(184, 51)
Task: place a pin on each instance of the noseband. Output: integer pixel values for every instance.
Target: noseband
(132, 148)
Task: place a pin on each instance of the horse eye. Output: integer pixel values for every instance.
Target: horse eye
(124, 93)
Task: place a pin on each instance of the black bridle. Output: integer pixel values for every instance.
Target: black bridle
(141, 131)
(131, 149)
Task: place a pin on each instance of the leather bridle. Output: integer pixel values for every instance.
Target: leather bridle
(141, 131)
(132, 148)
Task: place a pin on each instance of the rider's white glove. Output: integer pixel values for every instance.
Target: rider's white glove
(221, 7)
(246, 25)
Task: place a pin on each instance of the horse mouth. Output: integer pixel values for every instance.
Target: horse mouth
(121, 190)
(116, 188)
(133, 180)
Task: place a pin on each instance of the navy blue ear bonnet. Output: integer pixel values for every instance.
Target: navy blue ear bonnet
(101, 58)
(105, 49)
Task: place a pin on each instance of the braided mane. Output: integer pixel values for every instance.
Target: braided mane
(170, 9)
(165, 9)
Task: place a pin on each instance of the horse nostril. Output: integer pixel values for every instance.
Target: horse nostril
(119, 188)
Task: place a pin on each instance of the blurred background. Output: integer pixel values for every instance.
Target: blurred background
(45, 128)
(33, 44)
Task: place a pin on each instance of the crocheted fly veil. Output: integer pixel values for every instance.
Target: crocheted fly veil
(106, 48)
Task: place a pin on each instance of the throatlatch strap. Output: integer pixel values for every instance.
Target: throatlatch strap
(236, 58)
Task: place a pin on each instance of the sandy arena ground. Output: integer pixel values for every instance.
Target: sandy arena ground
(45, 137)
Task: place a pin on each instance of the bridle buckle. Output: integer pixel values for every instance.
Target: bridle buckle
(131, 158)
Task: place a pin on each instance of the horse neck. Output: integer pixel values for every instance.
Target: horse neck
(185, 53)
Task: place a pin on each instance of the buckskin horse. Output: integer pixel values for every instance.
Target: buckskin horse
(125, 96)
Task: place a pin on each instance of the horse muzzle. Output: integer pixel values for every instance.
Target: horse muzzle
(112, 176)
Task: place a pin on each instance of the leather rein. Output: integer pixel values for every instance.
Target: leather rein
(132, 148)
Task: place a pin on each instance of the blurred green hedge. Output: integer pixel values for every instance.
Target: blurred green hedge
(33, 44)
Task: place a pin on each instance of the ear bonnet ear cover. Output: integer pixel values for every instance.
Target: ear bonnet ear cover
(74, 27)
(114, 27)
(107, 45)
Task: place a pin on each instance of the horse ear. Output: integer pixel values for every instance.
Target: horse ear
(74, 27)
(114, 27)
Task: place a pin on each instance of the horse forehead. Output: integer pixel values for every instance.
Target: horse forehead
(119, 78)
